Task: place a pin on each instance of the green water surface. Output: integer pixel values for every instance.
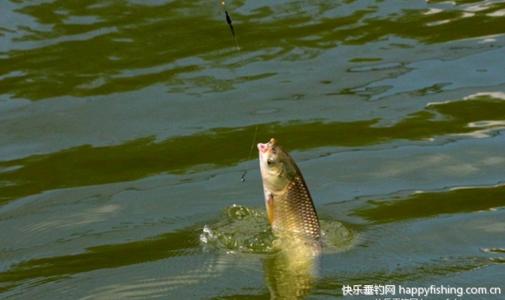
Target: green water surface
(126, 127)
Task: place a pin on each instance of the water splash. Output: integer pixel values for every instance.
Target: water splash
(240, 229)
(246, 230)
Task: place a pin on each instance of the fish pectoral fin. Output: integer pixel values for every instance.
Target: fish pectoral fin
(270, 208)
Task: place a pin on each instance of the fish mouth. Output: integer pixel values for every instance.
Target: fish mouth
(264, 147)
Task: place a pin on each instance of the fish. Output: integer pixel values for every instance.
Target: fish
(290, 209)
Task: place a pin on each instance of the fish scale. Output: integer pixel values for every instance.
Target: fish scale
(297, 207)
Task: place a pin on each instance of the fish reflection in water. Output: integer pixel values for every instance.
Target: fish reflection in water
(291, 272)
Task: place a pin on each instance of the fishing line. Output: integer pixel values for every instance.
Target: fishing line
(242, 178)
(232, 30)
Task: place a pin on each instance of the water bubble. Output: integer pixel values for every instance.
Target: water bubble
(206, 235)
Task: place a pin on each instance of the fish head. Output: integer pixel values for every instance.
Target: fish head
(275, 164)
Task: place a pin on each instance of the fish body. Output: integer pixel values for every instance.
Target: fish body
(289, 205)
